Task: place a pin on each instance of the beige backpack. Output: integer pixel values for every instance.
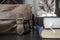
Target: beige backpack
(15, 18)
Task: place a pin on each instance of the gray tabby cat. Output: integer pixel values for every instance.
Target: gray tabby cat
(46, 8)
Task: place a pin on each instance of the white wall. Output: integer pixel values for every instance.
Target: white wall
(33, 4)
(29, 2)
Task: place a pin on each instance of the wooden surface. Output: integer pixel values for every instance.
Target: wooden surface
(47, 33)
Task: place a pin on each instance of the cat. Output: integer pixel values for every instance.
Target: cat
(46, 8)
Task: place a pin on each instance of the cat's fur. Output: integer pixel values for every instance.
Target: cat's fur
(46, 7)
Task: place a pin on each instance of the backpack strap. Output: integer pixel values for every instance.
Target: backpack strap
(20, 28)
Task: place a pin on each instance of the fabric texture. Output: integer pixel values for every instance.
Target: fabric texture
(12, 16)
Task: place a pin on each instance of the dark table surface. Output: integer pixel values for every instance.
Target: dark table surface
(33, 35)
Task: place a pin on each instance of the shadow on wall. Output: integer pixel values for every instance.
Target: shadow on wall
(11, 1)
(57, 8)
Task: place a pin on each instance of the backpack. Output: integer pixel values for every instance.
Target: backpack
(15, 18)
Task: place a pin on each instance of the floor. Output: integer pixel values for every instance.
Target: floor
(33, 35)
